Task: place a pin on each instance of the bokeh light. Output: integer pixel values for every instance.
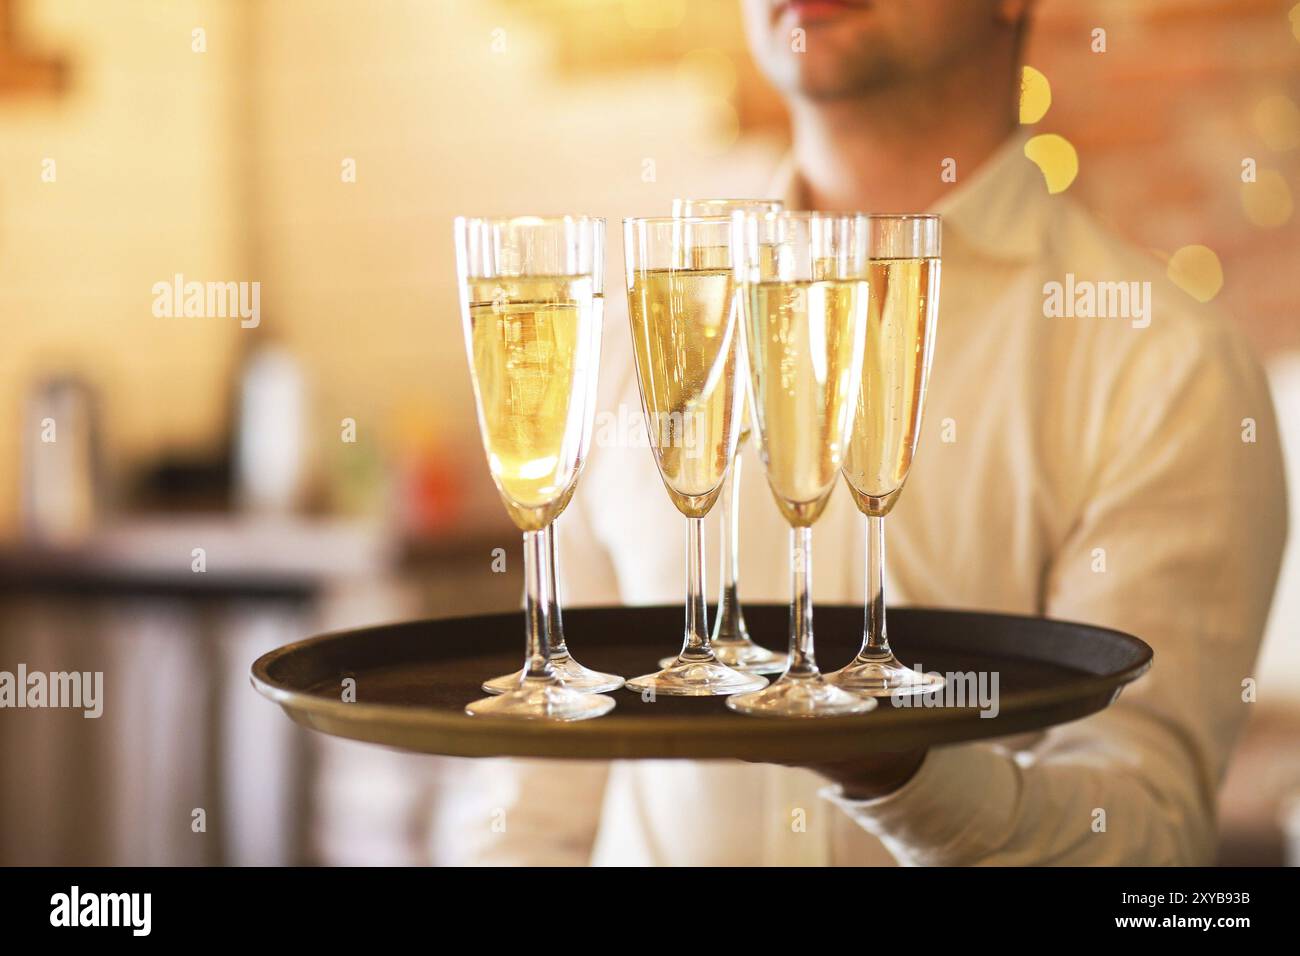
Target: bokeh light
(717, 129)
(711, 71)
(654, 14)
(1197, 271)
(1276, 119)
(1055, 156)
(1267, 202)
(1035, 95)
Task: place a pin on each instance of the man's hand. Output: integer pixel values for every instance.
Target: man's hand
(873, 776)
(869, 777)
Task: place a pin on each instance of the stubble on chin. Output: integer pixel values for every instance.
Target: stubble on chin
(826, 75)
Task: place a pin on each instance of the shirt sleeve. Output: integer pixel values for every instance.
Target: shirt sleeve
(1178, 542)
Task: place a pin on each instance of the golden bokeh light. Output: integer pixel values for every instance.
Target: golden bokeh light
(1277, 121)
(1267, 202)
(1055, 156)
(720, 132)
(1035, 95)
(1197, 271)
(654, 14)
(1295, 22)
(710, 70)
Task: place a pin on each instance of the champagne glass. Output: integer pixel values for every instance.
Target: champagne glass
(803, 279)
(685, 339)
(528, 290)
(730, 640)
(903, 315)
(566, 668)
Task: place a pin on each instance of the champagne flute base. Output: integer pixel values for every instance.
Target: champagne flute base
(704, 677)
(542, 699)
(809, 695)
(883, 677)
(743, 655)
(570, 673)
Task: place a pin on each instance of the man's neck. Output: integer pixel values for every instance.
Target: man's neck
(885, 151)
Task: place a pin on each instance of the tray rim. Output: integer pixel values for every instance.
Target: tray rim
(334, 716)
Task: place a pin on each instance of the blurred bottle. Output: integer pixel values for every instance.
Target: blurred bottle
(61, 474)
(270, 440)
(429, 494)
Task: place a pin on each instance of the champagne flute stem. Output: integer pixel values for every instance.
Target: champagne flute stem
(535, 616)
(696, 643)
(802, 661)
(554, 619)
(874, 643)
(729, 625)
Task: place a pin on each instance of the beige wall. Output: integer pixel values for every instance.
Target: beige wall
(439, 125)
(227, 165)
(147, 152)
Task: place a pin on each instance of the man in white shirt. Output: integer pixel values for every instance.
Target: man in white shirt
(1120, 470)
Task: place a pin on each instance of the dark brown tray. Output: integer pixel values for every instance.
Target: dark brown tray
(413, 679)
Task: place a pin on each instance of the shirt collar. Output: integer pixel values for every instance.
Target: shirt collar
(999, 211)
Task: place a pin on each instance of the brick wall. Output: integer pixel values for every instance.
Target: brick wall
(1162, 122)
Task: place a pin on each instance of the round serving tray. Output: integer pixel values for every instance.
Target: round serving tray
(412, 681)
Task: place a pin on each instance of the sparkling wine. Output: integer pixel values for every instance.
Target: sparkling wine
(589, 413)
(534, 352)
(806, 340)
(684, 334)
(901, 324)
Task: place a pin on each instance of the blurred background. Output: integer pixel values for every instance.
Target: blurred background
(216, 490)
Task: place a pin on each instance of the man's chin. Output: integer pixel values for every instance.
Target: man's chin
(828, 84)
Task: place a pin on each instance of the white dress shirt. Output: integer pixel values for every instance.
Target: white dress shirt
(1094, 470)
